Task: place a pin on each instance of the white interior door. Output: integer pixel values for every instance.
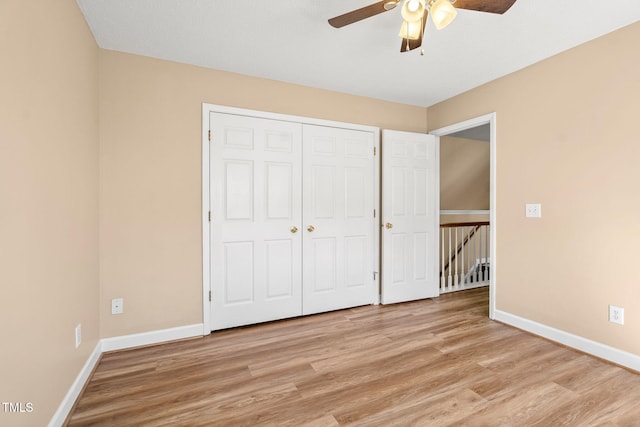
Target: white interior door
(255, 204)
(338, 216)
(409, 217)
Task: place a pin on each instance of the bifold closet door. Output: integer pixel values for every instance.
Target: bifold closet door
(255, 170)
(338, 218)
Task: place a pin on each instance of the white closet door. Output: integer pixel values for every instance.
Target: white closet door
(255, 203)
(409, 217)
(338, 223)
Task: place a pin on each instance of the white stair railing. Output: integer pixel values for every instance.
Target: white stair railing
(464, 254)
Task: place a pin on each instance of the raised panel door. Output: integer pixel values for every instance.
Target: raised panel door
(338, 223)
(410, 222)
(255, 201)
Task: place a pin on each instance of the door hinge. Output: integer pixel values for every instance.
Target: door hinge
(374, 213)
(209, 135)
(374, 151)
(209, 216)
(209, 296)
(375, 274)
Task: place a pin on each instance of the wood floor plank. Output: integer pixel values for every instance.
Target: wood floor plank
(444, 409)
(435, 362)
(523, 407)
(418, 388)
(601, 403)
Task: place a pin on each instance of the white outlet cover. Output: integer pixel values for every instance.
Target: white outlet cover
(117, 306)
(533, 210)
(616, 314)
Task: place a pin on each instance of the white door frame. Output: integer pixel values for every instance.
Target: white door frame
(467, 124)
(206, 205)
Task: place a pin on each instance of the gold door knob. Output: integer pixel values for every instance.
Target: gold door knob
(388, 225)
(310, 228)
(294, 229)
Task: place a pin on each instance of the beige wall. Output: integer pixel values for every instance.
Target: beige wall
(567, 137)
(464, 174)
(150, 162)
(48, 203)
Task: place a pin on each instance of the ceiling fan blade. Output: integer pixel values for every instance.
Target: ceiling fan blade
(359, 14)
(491, 6)
(408, 44)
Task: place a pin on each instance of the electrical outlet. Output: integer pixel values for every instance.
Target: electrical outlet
(533, 210)
(117, 306)
(78, 335)
(616, 314)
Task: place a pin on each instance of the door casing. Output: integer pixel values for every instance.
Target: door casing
(464, 125)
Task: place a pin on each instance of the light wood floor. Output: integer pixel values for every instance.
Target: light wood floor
(428, 363)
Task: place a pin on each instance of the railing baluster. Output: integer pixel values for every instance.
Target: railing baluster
(455, 277)
(481, 250)
(469, 265)
(484, 253)
(488, 263)
(442, 278)
(475, 255)
(462, 280)
(449, 277)
(479, 257)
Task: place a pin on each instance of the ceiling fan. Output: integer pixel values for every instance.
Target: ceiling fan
(416, 12)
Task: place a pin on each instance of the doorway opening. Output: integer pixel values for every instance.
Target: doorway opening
(480, 262)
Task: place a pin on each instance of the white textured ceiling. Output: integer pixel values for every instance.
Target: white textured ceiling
(291, 41)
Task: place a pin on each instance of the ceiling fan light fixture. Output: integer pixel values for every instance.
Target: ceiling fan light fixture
(413, 10)
(410, 30)
(442, 13)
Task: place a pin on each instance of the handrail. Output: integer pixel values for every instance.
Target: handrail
(464, 224)
(466, 212)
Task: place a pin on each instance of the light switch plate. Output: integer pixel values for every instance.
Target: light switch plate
(533, 210)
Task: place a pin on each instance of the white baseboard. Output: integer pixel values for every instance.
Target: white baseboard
(153, 337)
(118, 343)
(603, 351)
(76, 388)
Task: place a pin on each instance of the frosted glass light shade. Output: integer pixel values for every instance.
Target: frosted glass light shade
(442, 13)
(410, 30)
(412, 10)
